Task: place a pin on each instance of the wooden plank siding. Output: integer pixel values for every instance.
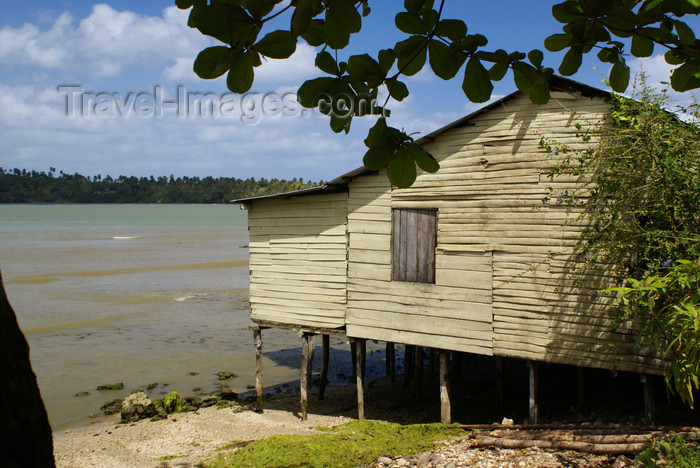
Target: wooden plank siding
(298, 260)
(500, 287)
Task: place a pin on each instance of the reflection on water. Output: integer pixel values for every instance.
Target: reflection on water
(139, 294)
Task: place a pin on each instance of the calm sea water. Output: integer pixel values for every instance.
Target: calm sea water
(138, 294)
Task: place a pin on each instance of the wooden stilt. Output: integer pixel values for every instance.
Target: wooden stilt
(580, 388)
(360, 380)
(303, 384)
(407, 365)
(257, 338)
(391, 359)
(363, 358)
(499, 382)
(648, 398)
(457, 362)
(387, 357)
(353, 356)
(534, 410)
(324, 366)
(310, 363)
(432, 360)
(418, 368)
(445, 407)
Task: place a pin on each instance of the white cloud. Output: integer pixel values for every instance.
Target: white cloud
(658, 74)
(104, 43)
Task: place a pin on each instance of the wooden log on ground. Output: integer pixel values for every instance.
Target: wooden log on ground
(581, 427)
(445, 406)
(325, 356)
(303, 383)
(257, 339)
(360, 380)
(25, 434)
(599, 449)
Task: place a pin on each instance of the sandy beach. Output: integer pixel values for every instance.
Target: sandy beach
(184, 440)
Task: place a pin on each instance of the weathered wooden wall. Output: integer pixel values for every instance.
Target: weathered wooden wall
(502, 285)
(298, 260)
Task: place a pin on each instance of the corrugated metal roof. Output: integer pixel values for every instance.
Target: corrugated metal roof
(339, 184)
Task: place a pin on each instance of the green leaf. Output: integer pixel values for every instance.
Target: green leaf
(410, 23)
(557, 42)
(314, 33)
(312, 91)
(240, 76)
(535, 57)
(477, 84)
(415, 6)
(473, 42)
(258, 8)
(686, 77)
(365, 69)
(277, 45)
(641, 46)
(619, 76)
(672, 58)
(325, 62)
(402, 169)
(568, 12)
(211, 62)
(301, 18)
(386, 60)
(342, 19)
(531, 82)
(379, 135)
(424, 159)
(571, 62)
(455, 30)
(228, 23)
(411, 55)
(185, 4)
(397, 90)
(377, 158)
(498, 71)
(444, 60)
(685, 34)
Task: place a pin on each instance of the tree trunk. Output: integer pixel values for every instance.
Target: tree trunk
(25, 433)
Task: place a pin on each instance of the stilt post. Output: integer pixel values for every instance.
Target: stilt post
(257, 339)
(303, 384)
(499, 382)
(391, 361)
(326, 349)
(534, 383)
(445, 407)
(310, 363)
(360, 380)
(407, 365)
(418, 368)
(648, 398)
(353, 356)
(580, 388)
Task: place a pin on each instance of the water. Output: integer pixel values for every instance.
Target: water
(139, 294)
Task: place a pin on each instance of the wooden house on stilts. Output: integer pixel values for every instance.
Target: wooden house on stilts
(460, 261)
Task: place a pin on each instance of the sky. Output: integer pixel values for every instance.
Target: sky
(100, 88)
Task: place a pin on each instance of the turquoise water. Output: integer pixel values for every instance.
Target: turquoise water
(139, 294)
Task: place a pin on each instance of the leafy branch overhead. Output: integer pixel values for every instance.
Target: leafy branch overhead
(350, 87)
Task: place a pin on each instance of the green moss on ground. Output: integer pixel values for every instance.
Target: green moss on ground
(350, 444)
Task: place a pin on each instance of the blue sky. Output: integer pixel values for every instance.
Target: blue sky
(118, 50)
